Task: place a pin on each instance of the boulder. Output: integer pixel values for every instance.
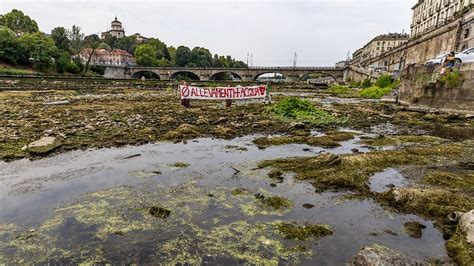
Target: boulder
(466, 223)
(376, 255)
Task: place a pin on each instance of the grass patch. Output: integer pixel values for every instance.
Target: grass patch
(302, 110)
(277, 202)
(351, 171)
(330, 140)
(457, 180)
(453, 79)
(375, 92)
(343, 91)
(16, 71)
(401, 140)
(459, 249)
(303, 233)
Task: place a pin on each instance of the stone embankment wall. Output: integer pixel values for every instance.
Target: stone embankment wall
(423, 87)
(357, 74)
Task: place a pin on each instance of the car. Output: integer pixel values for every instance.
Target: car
(466, 56)
(439, 59)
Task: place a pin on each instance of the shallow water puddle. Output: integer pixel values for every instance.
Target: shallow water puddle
(383, 181)
(94, 206)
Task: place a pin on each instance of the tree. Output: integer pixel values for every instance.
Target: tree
(200, 57)
(91, 41)
(76, 37)
(172, 53)
(145, 55)
(127, 44)
(18, 22)
(62, 61)
(59, 35)
(112, 41)
(11, 50)
(183, 56)
(41, 49)
(105, 46)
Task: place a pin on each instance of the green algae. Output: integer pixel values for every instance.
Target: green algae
(352, 171)
(276, 175)
(159, 212)
(402, 140)
(330, 140)
(459, 249)
(267, 205)
(94, 224)
(414, 229)
(179, 165)
(184, 131)
(432, 203)
(303, 232)
(462, 180)
(240, 191)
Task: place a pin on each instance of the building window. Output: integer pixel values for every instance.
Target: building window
(467, 32)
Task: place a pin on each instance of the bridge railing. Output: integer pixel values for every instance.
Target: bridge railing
(227, 68)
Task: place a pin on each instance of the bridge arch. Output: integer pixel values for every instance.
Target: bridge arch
(317, 75)
(185, 75)
(145, 73)
(226, 75)
(276, 75)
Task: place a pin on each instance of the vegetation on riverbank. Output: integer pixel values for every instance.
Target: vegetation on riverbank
(383, 86)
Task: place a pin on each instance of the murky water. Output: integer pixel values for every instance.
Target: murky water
(208, 224)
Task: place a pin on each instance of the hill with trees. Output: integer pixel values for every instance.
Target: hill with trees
(23, 44)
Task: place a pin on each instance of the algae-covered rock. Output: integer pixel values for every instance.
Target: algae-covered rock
(159, 212)
(458, 247)
(325, 160)
(330, 140)
(184, 131)
(224, 132)
(433, 203)
(43, 146)
(303, 232)
(377, 255)
(414, 229)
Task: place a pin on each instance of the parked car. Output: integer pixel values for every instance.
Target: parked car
(439, 59)
(466, 56)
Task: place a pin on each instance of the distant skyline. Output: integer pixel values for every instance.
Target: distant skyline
(321, 32)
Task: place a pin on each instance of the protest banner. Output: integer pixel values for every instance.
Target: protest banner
(223, 93)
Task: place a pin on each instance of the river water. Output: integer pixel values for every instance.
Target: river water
(207, 224)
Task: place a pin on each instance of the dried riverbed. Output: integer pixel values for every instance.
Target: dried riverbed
(216, 185)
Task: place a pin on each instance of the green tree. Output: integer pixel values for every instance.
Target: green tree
(76, 37)
(172, 53)
(145, 55)
(183, 56)
(200, 57)
(61, 40)
(105, 46)
(127, 44)
(11, 50)
(92, 42)
(41, 49)
(112, 41)
(62, 61)
(18, 22)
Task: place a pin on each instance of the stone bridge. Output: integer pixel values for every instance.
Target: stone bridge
(290, 74)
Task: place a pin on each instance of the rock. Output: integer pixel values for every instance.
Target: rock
(56, 103)
(466, 223)
(297, 125)
(375, 255)
(355, 150)
(43, 142)
(89, 127)
(159, 212)
(326, 159)
(308, 206)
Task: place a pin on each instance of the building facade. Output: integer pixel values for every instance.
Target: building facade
(116, 30)
(377, 46)
(105, 58)
(431, 14)
(140, 38)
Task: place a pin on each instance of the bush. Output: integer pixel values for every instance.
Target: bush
(73, 68)
(98, 69)
(302, 110)
(366, 83)
(342, 91)
(452, 79)
(384, 81)
(375, 92)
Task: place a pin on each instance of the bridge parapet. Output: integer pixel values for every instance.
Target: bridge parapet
(292, 74)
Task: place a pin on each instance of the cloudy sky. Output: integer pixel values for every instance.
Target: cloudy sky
(321, 32)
